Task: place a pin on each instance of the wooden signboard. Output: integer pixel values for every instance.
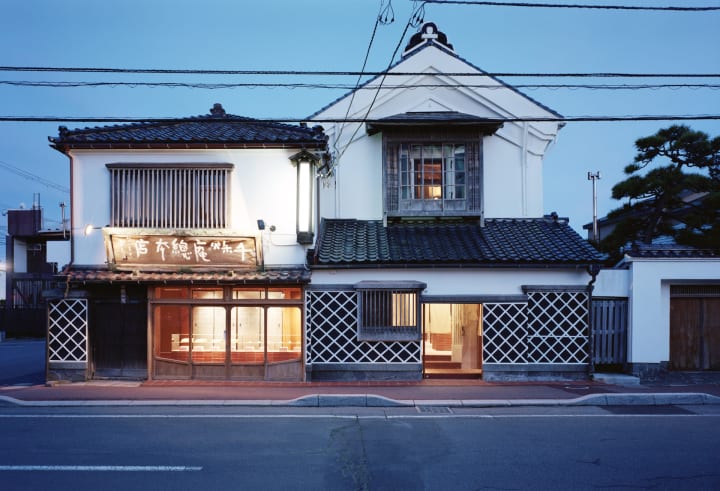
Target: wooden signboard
(182, 251)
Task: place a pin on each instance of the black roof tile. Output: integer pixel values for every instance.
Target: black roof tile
(217, 128)
(509, 242)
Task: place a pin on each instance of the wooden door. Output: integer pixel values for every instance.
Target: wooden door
(695, 333)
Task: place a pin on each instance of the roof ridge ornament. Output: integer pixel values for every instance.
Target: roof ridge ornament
(427, 34)
(217, 111)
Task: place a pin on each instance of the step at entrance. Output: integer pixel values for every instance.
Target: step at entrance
(453, 373)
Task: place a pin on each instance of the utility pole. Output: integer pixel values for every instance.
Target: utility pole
(594, 177)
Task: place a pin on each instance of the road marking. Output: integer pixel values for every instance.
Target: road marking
(101, 468)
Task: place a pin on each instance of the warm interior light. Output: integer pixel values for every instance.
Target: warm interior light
(304, 196)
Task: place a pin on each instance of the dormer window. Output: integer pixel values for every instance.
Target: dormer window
(426, 176)
(432, 176)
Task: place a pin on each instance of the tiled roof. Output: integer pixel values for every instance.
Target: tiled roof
(217, 128)
(500, 242)
(424, 118)
(670, 251)
(277, 276)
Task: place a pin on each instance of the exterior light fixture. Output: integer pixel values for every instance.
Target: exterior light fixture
(89, 228)
(305, 163)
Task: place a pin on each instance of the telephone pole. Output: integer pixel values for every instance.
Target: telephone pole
(594, 177)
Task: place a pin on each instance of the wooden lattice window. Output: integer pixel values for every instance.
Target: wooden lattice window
(388, 311)
(169, 195)
(430, 175)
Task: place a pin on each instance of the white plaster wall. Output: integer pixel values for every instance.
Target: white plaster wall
(2, 285)
(512, 158)
(263, 186)
(458, 282)
(612, 283)
(650, 302)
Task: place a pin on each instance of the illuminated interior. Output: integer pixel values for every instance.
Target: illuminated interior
(227, 325)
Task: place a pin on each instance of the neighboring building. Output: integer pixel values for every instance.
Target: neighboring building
(672, 294)
(199, 269)
(662, 298)
(237, 249)
(28, 274)
(434, 255)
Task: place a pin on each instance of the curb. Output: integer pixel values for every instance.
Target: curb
(370, 400)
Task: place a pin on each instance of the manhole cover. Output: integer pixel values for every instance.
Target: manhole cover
(434, 410)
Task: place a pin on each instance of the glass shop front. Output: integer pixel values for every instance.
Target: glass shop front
(227, 332)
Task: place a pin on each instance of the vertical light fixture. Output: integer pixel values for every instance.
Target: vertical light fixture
(305, 163)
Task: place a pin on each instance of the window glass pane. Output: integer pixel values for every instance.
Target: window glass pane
(248, 293)
(284, 338)
(284, 293)
(208, 335)
(171, 332)
(247, 335)
(405, 173)
(207, 293)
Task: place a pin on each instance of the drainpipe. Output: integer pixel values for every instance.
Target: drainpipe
(593, 270)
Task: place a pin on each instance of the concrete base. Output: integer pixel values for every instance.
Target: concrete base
(348, 372)
(66, 375)
(505, 372)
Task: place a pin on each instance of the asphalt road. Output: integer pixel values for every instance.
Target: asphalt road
(22, 362)
(395, 449)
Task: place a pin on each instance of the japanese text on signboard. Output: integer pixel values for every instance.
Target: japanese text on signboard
(184, 250)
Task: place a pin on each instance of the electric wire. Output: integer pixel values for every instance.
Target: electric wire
(33, 177)
(414, 20)
(353, 87)
(382, 18)
(331, 73)
(573, 6)
(520, 119)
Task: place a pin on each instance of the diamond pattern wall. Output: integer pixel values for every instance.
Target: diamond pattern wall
(557, 330)
(504, 332)
(331, 336)
(67, 330)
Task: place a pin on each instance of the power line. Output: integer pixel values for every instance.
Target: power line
(354, 73)
(524, 119)
(32, 177)
(572, 6)
(217, 86)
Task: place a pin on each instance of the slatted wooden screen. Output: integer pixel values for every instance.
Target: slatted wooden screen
(609, 328)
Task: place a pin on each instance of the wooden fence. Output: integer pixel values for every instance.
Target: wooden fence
(609, 321)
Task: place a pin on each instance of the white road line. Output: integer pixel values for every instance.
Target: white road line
(101, 468)
(347, 416)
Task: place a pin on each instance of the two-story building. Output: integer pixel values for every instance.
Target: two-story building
(188, 250)
(411, 242)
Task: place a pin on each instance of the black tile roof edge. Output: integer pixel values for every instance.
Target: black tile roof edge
(593, 256)
(314, 134)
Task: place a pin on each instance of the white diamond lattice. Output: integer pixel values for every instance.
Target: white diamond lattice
(557, 327)
(504, 332)
(332, 333)
(67, 330)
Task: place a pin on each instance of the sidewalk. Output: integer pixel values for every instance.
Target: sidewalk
(22, 373)
(452, 393)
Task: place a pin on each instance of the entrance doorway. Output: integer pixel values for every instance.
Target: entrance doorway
(452, 340)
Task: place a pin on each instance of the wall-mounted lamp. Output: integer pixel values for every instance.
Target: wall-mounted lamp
(89, 228)
(305, 163)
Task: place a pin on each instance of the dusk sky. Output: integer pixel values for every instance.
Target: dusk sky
(333, 35)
